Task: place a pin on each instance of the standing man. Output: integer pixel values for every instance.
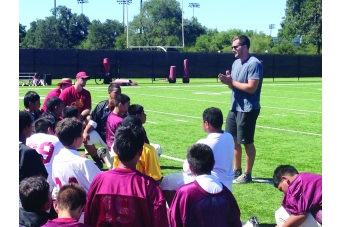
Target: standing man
(245, 81)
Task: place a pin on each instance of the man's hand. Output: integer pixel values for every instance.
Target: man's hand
(225, 79)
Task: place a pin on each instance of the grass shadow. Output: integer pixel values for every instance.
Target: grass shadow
(171, 167)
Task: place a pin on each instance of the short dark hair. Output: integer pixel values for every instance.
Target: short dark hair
(121, 98)
(71, 196)
(30, 96)
(282, 170)
(131, 120)
(34, 193)
(52, 102)
(129, 140)
(70, 111)
(25, 120)
(42, 124)
(69, 129)
(214, 117)
(244, 40)
(135, 109)
(201, 158)
(112, 87)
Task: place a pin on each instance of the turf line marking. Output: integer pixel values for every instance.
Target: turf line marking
(272, 128)
(180, 120)
(228, 103)
(172, 158)
(151, 122)
(288, 130)
(302, 113)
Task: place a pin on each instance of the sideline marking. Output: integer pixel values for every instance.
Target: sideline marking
(151, 122)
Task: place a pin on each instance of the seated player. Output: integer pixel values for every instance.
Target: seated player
(205, 201)
(222, 145)
(302, 199)
(148, 162)
(72, 111)
(35, 197)
(67, 165)
(98, 123)
(63, 84)
(118, 107)
(32, 104)
(30, 161)
(69, 205)
(123, 196)
(138, 110)
(54, 109)
(45, 143)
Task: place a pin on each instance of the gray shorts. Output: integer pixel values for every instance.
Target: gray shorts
(241, 125)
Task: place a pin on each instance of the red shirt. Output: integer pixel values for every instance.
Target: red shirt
(52, 93)
(82, 99)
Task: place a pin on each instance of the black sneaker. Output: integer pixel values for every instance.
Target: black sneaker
(254, 221)
(244, 178)
(99, 165)
(237, 173)
(98, 162)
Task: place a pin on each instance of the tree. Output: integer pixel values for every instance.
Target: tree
(22, 33)
(303, 18)
(102, 35)
(159, 24)
(65, 30)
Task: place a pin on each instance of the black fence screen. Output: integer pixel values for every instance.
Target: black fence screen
(156, 64)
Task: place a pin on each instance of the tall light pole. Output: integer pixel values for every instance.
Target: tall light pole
(55, 8)
(271, 26)
(82, 2)
(193, 6)
(124, 2)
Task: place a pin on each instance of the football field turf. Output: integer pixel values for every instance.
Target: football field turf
(288, 131)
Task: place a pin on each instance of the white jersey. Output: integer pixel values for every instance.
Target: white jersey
(45, 144)
(48, 146)
(222, 145)
(69, 167)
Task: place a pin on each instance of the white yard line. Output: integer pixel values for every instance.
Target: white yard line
(272, 128)
(180, 120)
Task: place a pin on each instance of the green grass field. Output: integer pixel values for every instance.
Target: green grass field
(289, 128)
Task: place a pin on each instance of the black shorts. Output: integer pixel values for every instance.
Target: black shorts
(241, 125)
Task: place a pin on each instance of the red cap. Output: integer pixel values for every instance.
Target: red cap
(82, 75)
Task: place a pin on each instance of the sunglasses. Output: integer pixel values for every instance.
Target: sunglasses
(235, 47)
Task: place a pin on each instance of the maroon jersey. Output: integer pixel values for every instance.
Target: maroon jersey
(304, 195)
(54, 92)
(125, 197)
(82, 100)
(64, 222)
(112, 123)
(192, 206)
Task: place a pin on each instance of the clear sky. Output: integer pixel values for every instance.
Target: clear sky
(220, 14)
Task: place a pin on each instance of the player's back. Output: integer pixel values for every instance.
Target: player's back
(45, 144)
(123, 197)
(222, 145)
(69, 167)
